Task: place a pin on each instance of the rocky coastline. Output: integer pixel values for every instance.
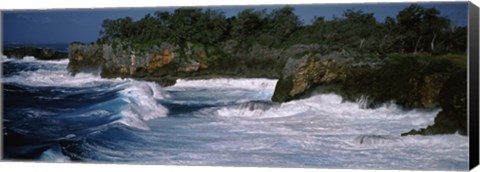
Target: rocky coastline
(302, 71)
(411, 82)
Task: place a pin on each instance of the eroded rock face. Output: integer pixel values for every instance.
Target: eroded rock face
(159, 59)
(429, 90)
(85, 57)
(453, 101)
(378, 80)
(165, 61)
(118, 61)
(191, 66)
(309, 71)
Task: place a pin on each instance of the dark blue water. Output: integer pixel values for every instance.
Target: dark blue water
(49, 115)
(41, 117)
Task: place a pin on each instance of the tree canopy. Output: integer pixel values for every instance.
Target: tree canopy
(414, 29)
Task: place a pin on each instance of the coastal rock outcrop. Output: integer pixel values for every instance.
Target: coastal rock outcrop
(300, 75)
(165, 63)
(453, 101)
(411, 82)
(85, 57)
(378, 81)
(122, 61)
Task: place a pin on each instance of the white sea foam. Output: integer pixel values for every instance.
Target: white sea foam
(320, 131)
(59, 78)
(327, 132)
(4, 58)
(331, 112)
(33, 59)
(51, 73)
(252, 84)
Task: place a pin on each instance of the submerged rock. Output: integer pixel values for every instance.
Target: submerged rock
(375, 139)
(258, 105)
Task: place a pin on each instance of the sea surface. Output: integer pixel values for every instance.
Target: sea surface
(50, 115)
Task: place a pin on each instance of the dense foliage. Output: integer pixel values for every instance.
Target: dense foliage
(414, 30)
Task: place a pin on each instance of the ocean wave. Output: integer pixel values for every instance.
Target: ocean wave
(141, 103)
(47, 73)
(104, 120)
(137, 101)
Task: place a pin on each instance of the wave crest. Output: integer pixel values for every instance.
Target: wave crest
(141, 100)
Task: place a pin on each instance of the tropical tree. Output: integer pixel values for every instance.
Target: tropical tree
(212, 29)
(183, 27)
(248, 26)
(282, 23)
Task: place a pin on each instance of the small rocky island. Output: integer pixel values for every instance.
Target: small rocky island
(38, 53)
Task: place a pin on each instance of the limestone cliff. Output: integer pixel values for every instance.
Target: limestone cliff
(165, 63)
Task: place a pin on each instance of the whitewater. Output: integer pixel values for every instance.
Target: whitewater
(50, 115)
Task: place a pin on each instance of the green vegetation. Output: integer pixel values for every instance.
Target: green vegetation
(414, 30)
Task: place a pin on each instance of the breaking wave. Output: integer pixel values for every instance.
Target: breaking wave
(138, 100)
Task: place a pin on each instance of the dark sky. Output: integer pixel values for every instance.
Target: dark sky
(63, 26)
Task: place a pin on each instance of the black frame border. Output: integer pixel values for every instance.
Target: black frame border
(473, 87)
